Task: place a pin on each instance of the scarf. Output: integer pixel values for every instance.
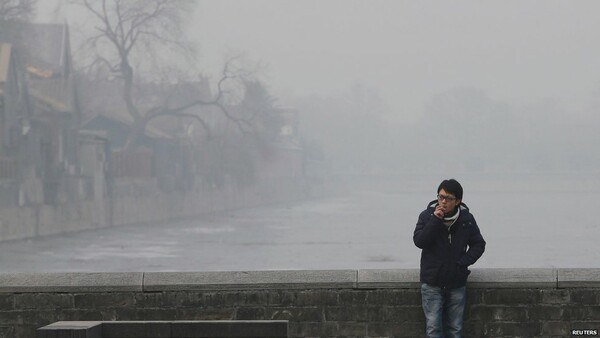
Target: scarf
(452, 218)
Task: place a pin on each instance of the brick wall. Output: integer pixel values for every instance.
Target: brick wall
(338, 303)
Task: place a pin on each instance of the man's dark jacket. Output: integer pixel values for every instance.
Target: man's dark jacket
(447, 252)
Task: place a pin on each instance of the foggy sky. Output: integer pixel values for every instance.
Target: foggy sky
(517, 51)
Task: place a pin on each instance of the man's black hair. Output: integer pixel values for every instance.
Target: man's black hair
(452, 186)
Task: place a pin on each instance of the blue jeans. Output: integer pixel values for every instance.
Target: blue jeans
(444, 310)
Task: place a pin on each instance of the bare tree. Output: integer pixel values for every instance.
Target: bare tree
(231, 75)
(128, 29)
(22, 10)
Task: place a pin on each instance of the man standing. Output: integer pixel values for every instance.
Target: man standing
(450, 241)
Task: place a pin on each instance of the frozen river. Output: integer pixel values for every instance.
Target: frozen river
(527, 220)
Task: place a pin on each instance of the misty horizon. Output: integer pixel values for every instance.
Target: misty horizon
(369, 79)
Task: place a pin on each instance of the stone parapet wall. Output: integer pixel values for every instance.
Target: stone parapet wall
(148, 203)
(26, 222)
(332, 303)
(141, 201)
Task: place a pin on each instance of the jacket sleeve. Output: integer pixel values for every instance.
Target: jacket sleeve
(427, 228)
(476, 245)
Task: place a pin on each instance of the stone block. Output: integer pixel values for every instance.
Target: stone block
(411, 297)
(409, 329)
(546, 313)
(204, 314)
(556, 296)
(223, 298)
(177, 299)
(7, 301)
(7, 332)
(9, 317)
(283, 297)
(153, 300)
(512, 278)
(316, 298)
(250, 313)
(556, 329)
(585, 296)
(312, 329)
(43, 301)
(297, 314)
(512, 329)
(141, 329)
(388, 278)
(354, 313)
(164, 329)
(581, 313)
(249, 280)
(510, 297)
(352, 297)
(261, 297)
(87, 315)
(473, 329)
(71, 282)
(71, 330)
(578, 278)
(233, 328)
(104, 300)
(280, 314)
(497, 313)
(474, 296)
(352, 329)
(43, 316)
(402, 314)
(141, 314)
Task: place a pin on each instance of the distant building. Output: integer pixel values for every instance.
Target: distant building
(41, 120)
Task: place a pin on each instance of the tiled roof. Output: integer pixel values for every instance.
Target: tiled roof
(45, 45)
(57, 93)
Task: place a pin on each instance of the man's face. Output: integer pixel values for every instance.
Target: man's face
(447, 201)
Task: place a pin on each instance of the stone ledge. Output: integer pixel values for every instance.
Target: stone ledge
(479, 278)
(388, 278)
(82, 329)
(249, 280)
(189, 328)
(513, 278)
(285, 279)
(71, 282)
(579, 278)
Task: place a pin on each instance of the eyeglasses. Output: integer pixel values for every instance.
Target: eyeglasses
(446, 198)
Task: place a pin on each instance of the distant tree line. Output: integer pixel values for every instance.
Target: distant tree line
(461, 129)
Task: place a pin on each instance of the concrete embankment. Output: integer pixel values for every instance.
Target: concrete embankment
(142, 201)
(327, 303)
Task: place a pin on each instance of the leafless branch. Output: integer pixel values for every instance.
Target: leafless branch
(203, 123)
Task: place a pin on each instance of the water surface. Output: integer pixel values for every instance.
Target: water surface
(528, 221)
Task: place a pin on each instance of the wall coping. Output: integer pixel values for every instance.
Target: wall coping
(285, 279)
(71, 282)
